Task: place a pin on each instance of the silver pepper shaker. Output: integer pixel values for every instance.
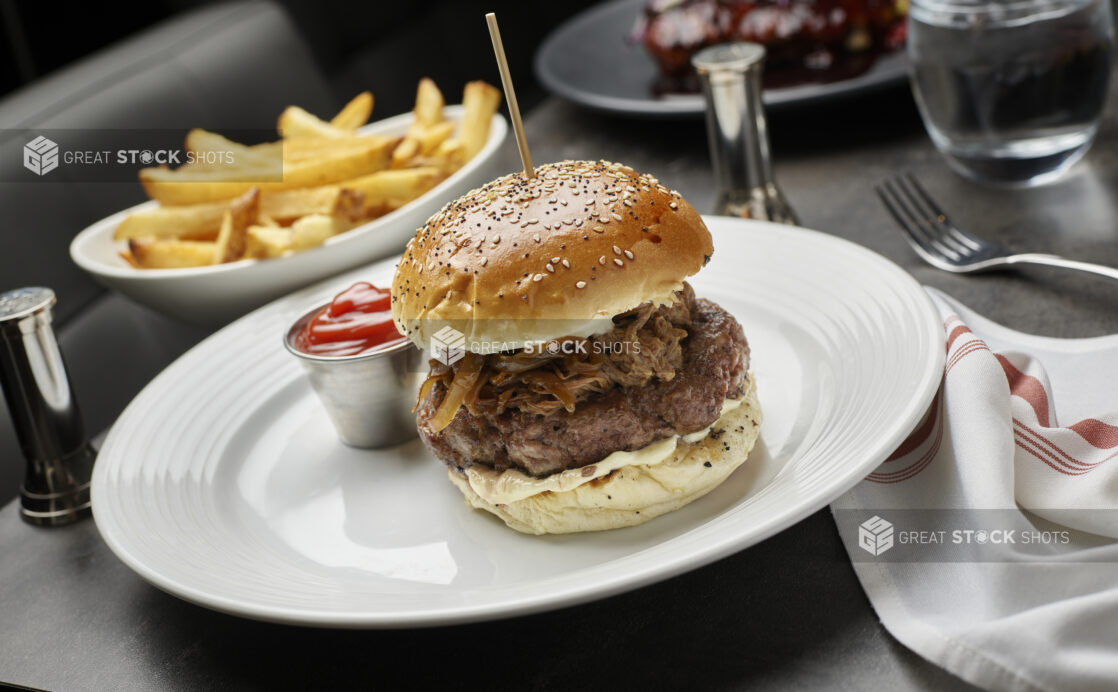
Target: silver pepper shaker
(42, 405)
(730, 74)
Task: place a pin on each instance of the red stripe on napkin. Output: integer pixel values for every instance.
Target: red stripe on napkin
(1043, 455)
(963, 352)
(1027, 387)
(1097, 433)
(1041, 439)
(956, 333)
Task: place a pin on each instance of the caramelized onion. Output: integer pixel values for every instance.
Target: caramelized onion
(550, 383)
(465, 377)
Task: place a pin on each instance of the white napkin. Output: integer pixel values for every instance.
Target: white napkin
(1020, 422)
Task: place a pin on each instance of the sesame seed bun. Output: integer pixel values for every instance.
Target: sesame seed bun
(635, 494)
(527, 260)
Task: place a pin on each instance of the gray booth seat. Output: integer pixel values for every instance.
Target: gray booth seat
(224, 66)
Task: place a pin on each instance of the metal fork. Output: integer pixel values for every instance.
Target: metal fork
(944, 245)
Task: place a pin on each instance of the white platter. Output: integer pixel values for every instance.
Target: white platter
(213, 296)
(223, 482)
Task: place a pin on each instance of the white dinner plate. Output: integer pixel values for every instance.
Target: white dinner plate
(223, 482)
(214, 295)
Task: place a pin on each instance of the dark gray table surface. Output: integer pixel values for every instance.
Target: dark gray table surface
(786, 614)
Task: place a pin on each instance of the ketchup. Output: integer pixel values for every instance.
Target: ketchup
(359, 319)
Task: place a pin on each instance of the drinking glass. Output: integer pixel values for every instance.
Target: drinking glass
(1011, 91)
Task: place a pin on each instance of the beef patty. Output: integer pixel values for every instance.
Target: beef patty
(713, 359)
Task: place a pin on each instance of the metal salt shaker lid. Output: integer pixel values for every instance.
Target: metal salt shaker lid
(40, 401)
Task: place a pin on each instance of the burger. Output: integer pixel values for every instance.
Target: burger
(577, 383)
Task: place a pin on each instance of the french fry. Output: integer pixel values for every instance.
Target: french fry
(268, 241)
(307, 148)
(480, 101)
(232, 238)
(175, 188)
(350, 205)
(312, 231)
(428, 128)
(428, 103)
(288, 205)
(421, 140)
(431, 137)
(296, 122)
(203, 221)
(449, 156)
(393, 188)
(407, 150)
(194, 222)
(355, 113)
(201, 142)
(170, 254)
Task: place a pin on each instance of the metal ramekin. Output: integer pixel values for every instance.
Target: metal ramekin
(369, 396)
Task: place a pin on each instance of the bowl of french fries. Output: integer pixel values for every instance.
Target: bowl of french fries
(216, 241)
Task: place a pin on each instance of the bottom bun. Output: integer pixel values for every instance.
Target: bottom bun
(634, 494)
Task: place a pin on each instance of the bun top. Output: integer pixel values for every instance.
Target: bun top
(522, 261)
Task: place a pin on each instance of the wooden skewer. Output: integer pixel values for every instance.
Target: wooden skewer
(510, 95)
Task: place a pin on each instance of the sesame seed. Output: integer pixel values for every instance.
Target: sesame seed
(566, 264)
(673, 205)
(536, 237)
(533, 220)
(550, 268)
(537, 278)
(580, 284)
(603, 219)
(602, 259)
(599, 229)
(616, 250)
(615, 216)
(555, 260)
(629, 254)
(496, 239)
(618, 262)
(484, 261)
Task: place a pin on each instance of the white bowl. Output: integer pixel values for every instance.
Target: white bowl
(215, 295)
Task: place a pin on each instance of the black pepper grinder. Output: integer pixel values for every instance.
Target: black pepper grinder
(730, 74)
(42, 405)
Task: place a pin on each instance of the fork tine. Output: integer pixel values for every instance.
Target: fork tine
(931, 219)
(957, 233)
(912, 233)
(925, 242)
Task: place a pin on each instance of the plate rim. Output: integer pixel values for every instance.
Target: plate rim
(694, 557)
(783, 98)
